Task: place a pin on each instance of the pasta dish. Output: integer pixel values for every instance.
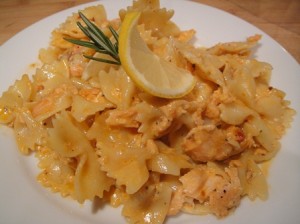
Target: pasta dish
(95, 133)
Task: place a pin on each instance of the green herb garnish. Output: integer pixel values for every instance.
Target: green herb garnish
(98, 41)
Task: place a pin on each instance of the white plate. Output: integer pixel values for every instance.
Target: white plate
(23, 200)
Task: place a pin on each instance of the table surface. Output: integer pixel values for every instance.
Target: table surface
(278, 18)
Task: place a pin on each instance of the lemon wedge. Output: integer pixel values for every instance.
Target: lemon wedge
(151, 73)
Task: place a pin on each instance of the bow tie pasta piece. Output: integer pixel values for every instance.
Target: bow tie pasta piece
(150, 203)
(69, 141)
(122, 152)
(117, 87)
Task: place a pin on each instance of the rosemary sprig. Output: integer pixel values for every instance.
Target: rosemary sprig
(98, 41)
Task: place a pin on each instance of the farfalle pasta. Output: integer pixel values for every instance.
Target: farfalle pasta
(96, 134)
